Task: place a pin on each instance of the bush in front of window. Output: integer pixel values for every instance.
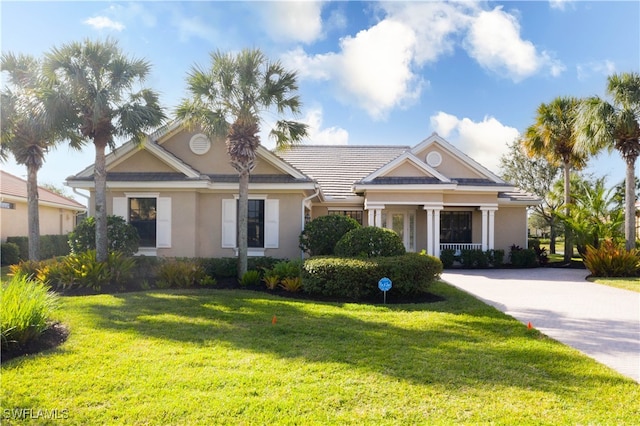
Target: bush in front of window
(357, 278)
(121, 236)
(180, 273)
(9, 253)
(523, 258)
(370, 241)
(321, 235)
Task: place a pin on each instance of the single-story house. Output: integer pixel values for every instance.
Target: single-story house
(179, 190)
(57, 213)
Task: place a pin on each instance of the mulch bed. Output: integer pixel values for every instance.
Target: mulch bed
(52, 337)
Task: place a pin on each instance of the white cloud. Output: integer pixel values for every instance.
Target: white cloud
(485, 141)
(494, 41)
(293, 21)
(102, 22)
(193, 27)
(586, 70)
(559, 4)
(133, 12)
(320, 136)
(372, 70)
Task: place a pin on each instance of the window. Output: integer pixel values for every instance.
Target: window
(353, 214)
(150, 214)
(142, 216)
(455, 227)
(255, 224)
(7, 205)
(262, 227)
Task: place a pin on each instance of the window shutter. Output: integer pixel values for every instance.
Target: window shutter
(163, 222)
(229, 223)
(271, 223)
(119, 205)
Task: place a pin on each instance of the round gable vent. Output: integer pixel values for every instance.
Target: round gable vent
(434, 159)
(199, 144)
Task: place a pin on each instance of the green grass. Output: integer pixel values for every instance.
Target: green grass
(632, 284)
(215, 357)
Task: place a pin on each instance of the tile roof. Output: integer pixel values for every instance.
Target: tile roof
(338, 167)
(11, 185)
(179, 177)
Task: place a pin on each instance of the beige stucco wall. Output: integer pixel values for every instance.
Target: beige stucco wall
(511, 228)
(141, 161)
(53, 221)
(406, 170)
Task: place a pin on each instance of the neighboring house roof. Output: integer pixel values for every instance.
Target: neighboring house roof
(337, 167)
(15, 188)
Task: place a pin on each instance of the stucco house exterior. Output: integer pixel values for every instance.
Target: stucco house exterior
(57, 213)
(179, 190)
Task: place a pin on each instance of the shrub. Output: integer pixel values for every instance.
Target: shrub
(292, 284)
(447, 257)
(496, 257)
(26, 309)
(288, 268)
(121, 236)
(370, 241)
(50, 246)
(470, 258)
(611, 260)
(356, 279)
(523, 258)
(9, 253)
(250, 278)
(221, 267)
(82, 270)
(321, 235)
(271, 280)
(180, 273)
(120, 268)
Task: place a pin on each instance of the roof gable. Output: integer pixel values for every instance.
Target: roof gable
(450, 161)
(403, 163)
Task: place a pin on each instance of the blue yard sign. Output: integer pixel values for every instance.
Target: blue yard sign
(384, 285)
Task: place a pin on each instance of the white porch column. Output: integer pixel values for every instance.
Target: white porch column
(430, 231)
(488, 227)
(492, 217)
(378, 222)
(436, 234)
(433, 228)
(371, 217)
(485, 241)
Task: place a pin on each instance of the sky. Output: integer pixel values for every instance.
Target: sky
(369, 73)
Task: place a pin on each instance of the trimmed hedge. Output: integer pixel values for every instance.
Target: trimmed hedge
(370, 241)
(357, 279)
(50, 246)
(227, 267)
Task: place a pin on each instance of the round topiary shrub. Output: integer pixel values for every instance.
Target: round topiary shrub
(370, 241)
(121, 236)
(9, 254)
(320, 236)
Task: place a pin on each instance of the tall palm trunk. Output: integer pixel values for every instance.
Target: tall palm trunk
(33, 213)
(568, 244)
(243, 213)
(100, 181)
(629, 204)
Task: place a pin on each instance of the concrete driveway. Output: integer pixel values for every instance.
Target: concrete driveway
(602, 322)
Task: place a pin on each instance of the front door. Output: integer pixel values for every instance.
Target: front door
(404, 224)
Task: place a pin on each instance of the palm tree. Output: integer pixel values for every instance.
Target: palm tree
(552, 136)
(28, 130)
(101, 83)
(229, 100)
(616, 125)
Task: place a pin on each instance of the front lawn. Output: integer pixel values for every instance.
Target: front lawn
(628, 283)
(220, 357)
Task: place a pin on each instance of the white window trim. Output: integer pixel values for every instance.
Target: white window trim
(271, 224)
(163, 219)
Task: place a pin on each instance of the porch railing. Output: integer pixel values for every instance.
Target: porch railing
(458, 247)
